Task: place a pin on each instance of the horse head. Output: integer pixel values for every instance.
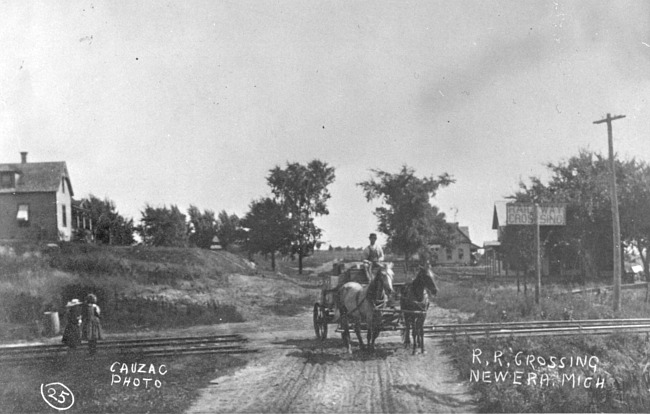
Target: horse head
(385, 277)
(426, 277)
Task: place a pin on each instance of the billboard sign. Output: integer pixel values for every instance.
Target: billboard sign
(522, 214)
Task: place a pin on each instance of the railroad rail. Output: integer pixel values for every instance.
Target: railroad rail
(539, 328)
(153, 347)
(602, 289)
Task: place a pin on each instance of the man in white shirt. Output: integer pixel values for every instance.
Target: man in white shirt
(373, 254)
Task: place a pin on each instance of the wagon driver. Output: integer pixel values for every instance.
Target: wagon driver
(373, 254)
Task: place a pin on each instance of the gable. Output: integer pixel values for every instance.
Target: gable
(461, 233)
(462, 236)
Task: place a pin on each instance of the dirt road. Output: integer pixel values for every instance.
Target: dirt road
(296, 373)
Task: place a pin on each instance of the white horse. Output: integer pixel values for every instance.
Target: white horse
(361, 303)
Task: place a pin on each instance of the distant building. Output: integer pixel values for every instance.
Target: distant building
(82, 225)
(462, 252)
(497, 264)
(492, 258)
(494, 264)
(216, 244)
(35, 201)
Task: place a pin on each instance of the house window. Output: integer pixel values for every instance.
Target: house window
(23, 215)
(461, 254)
(63, 185)
(450, 254)
(7, 180)
(65, 219)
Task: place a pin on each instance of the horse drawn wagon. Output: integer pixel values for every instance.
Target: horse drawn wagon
(394, 300)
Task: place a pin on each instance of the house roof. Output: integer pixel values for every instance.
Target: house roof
(37, 177)
(464, 232)
(80, 204)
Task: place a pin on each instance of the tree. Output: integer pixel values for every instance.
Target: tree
(163, 227)
(302, 192)
(407, 217)
(122, 231)
(582, 182)
(203, 227)
(518, 250)
(108, 226)
(228, 229)
(269, 228)
(634, 201)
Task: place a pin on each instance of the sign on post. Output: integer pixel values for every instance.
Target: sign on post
(522, 214)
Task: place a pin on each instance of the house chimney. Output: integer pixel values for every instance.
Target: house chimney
(23, 157)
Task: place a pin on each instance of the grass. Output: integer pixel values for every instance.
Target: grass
(621, 372)
(293, 306)
(136, 286)
(139, 289)
(90, 380)
(138, 312)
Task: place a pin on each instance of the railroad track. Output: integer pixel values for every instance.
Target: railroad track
(539, 328)
(152, 347)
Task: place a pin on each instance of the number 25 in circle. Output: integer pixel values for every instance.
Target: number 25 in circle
(57, 395)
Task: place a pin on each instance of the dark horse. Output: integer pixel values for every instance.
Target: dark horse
(361, 304)
(414, 303)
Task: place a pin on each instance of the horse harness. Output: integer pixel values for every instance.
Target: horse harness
(376, 303)
(422, 305)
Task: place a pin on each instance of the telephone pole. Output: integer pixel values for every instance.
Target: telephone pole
(615, 218)
(538, 259)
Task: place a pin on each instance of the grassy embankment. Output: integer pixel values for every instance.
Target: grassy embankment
(141, 291)
(612, 374)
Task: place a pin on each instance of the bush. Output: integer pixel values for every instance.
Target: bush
(124, 313)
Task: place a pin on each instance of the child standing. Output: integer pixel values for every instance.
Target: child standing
(72, 332)
(92, 328)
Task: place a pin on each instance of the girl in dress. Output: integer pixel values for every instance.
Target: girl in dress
(92, 330)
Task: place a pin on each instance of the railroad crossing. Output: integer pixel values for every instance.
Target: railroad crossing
(538, 328)
(151, 347)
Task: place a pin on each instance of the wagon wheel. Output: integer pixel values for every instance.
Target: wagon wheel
(320, 324)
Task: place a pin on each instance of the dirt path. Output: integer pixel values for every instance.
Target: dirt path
(296, 373)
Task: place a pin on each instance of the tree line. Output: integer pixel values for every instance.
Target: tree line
(283, 223)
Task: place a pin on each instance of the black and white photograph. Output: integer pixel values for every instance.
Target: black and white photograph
(289, 206)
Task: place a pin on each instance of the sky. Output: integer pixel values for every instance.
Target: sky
(193, 102)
